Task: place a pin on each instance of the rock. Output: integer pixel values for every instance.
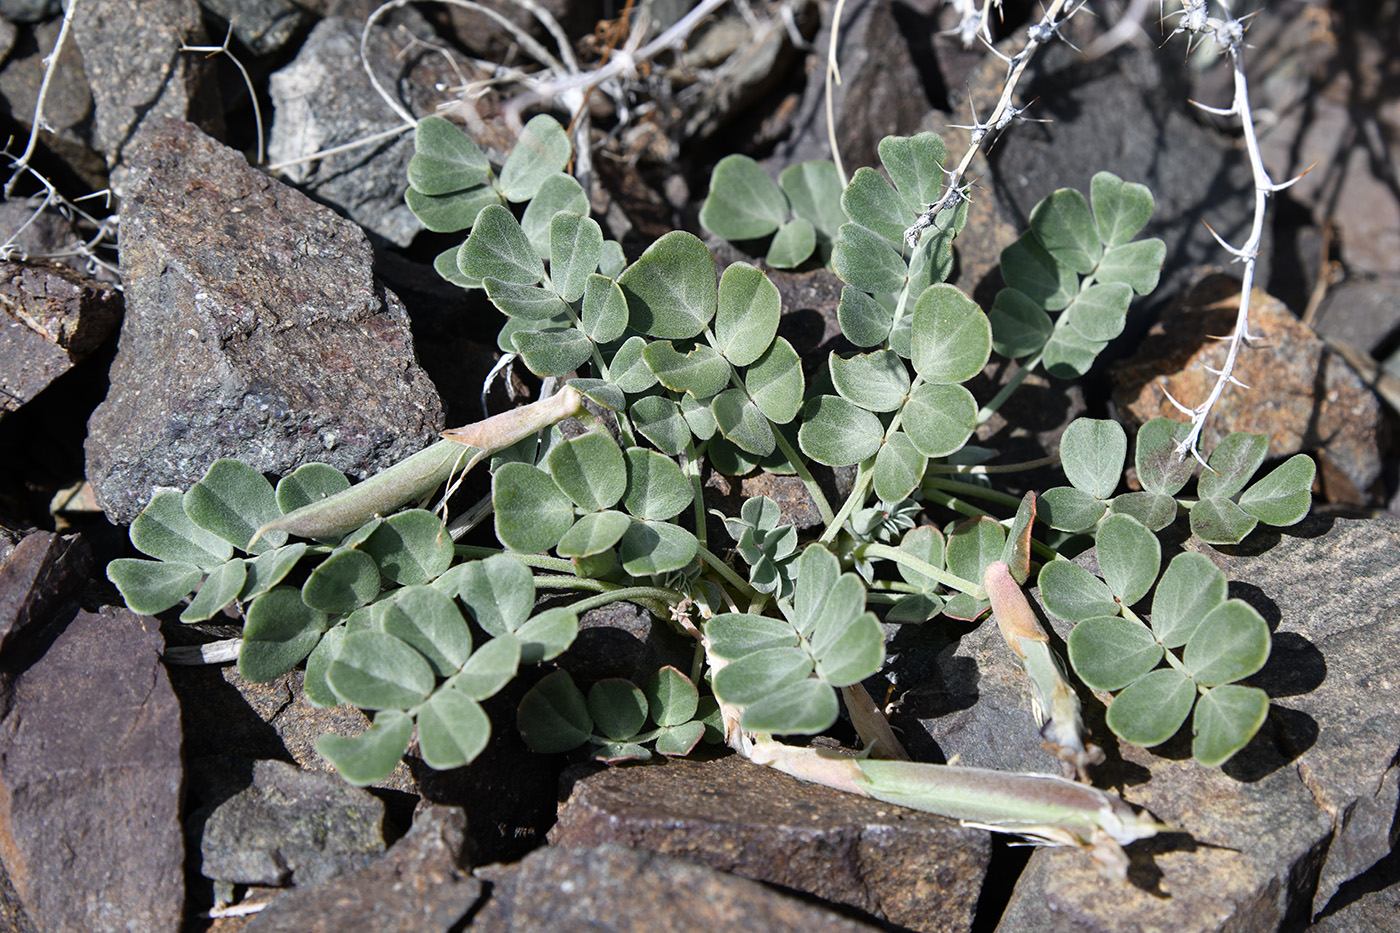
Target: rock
(30, 11)
(41, 573)
(131, 54)
(624, 640)
(291, 827)
(325, 99)
(915, 870)
(265, 26)
(1305, 806)
(1372, 908)
(254, 329)
(1364, 314)
(612, 889)
(1304, 396)
(90, 779)
(418, 886)
(50, 318)
(882, 91)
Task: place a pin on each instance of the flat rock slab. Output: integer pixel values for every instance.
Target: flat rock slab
(1307, 805)
(50, 318)
(254, 329)
(291, 826)
(90, 780)
(916, 870)
(418, 886)
(41, 574)
(615, 889)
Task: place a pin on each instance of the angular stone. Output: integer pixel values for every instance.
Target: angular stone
(1364, 314)
(264, 26)
(90, 779)
(50, 318)
(913, 869)
(1303, 395)
(12, 915)
(418, 886)
(614, 889)
(1305, 806)
(254, 329)
(131, 54)
(291, 827)
(43, 572)
(324, 99)
(68, 106)
(624, 640)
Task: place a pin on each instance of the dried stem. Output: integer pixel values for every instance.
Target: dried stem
(50, 65)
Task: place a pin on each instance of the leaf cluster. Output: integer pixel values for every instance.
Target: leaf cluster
(801, 210)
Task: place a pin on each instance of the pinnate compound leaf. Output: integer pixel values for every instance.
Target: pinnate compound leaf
(864, 321)
(1092, 453)
(746, 318)
(1070, 354)
(1231, 643)
(558, 194)
(317, 690)
(1284, 496)
(660, 421)
(804, 707)
(656, 489)
(733, 635)
(530, 304)
(547, 635)
(1231, 465)
(553, 715)
(795, 241)
(498, 591)
(867, 261)
(490, 668)
(1186, 594)
(445, 159)
(1137, 265)
(1121, 208)
(1110, 652)
(1068, 509)
(1129, 557)
(451, 213)
(430, 622)
(628, 371)
(1153, 510)
(848, 650)
(1028, 268)
(814, 191)
(952, 340)
(372, 755)
(875, 381)
(1065, 226)
(233, 500)
(309, 483)
(452, 729)
(592, 534)
(1160, 468)
(775, 382)
(280, 630)
(589, 470)
(343, 582)
(532, 514)
(873, 203)
(542, 150)
(164, 531)
(499, 249)
(743, 203)
(671, 289)
(1220, 521)
(743, 423)
(151, 586)
(552, 352)
(604, 311)
(410, 547)
(899, 467)
(575, 245)
(671, 698)
(1098, 312)
(1151, 709)
(1226, 719)
(1020, 327)
(651, 547)
(617, 707)
(836, 432)
(222, 588)
(915, 164)
(822, 592)
(940, 418)
(699, 417)
(758, 674)
(700, 371)
(1073, 593)
(375, 670)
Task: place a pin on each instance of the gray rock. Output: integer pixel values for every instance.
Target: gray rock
(624, 640)
(1305, 806)
(1373, 909)
(90, 779)
(254, 329)
(612, 889)
(1361, 313)
(324, 99)
(50, 318)
(41, 574)
(12, 915)
(916, 870)
(30, 11)
(418, 886)
(291, 827)
(131, 54)
(264, 26)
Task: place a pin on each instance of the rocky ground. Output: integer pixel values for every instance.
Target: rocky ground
(292, 315)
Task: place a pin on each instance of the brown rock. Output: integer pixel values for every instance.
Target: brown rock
(1303, 395)
(916, 870)
(43, 572)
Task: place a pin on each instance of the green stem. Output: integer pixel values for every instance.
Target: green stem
(1171, 659)
(865, 474)
(697, 489)
(974, 490)
(538, 561)
(726, 571)
(1010, 388)
(952, 581)
(799, 466)
(645, 594)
